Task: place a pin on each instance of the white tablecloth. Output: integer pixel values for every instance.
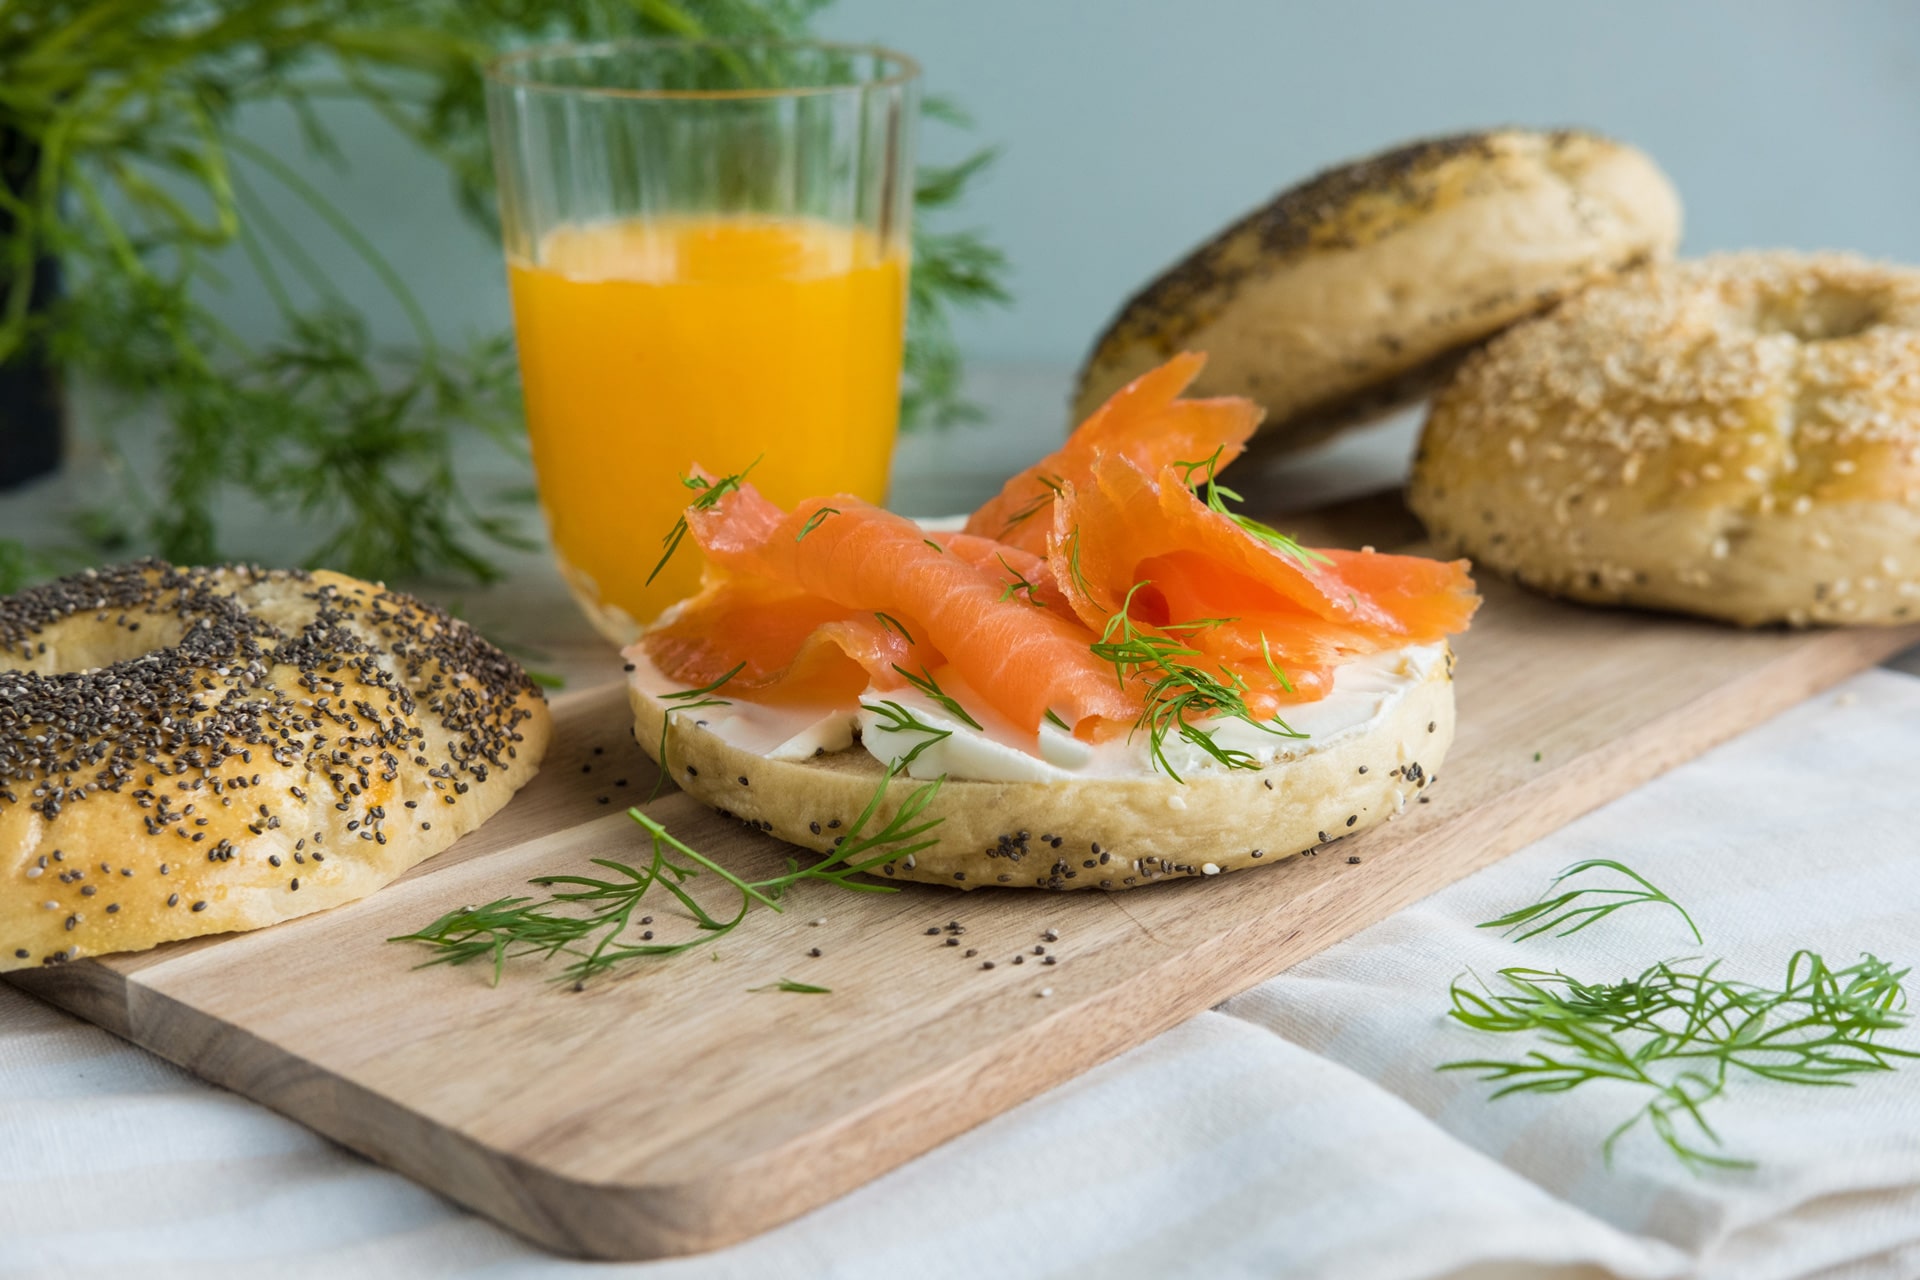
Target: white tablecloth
(1299, 1130)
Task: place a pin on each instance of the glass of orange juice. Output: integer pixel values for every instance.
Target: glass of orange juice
(707, 247)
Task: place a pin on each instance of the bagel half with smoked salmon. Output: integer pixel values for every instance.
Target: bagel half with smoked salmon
(1107, 678)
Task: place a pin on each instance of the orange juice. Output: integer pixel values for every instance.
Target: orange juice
(649, 346)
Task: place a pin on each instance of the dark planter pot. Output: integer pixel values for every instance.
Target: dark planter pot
(32, 409)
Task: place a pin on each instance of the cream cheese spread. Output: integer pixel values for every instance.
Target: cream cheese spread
(1364, 692)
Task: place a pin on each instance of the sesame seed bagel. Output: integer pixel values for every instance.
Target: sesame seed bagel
(1737, 437)
(1356, 292)
(1094, 834)
(194, 751)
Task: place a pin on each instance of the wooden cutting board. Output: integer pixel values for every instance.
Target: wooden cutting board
(675, 1110)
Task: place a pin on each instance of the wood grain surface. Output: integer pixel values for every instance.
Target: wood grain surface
(673, 1109)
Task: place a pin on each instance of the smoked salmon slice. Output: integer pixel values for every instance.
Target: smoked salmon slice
(1144, 422)
(1024, 661)
(1098, 587)
(779, 645)
(1128, 527)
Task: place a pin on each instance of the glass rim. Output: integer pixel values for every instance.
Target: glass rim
(503, 69)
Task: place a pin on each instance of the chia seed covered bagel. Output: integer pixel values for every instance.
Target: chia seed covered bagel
(1098, 833)
(1737, 437)
(193, 751)
(1355, 292)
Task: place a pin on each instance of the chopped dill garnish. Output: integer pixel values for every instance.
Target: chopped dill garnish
(1019, 585)
(688, 700)
(1218, 495)
(595, 942)
(900, 720)
(815, 520)
(1073, 563)
(892, 623)
(788, 984)
(924, 682)
(1273, 668)
(1579, 917)
(1680, 1032)
(709, 493)
(1052, 487)
(936, 546)
(1054, 720)
(1179, 694)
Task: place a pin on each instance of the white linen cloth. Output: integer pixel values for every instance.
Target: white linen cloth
(1299, 1130)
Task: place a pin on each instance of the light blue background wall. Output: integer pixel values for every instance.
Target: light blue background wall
(1133, 128)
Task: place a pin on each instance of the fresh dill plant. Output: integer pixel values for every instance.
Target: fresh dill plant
(686, 700)
(1218, 495)
(1020, 586)
(798, 988)
(124, 165)
(707, 495)
(1179, 696)
(1681, 1033)
(926, 684)
(595, 940)
(1586, 905)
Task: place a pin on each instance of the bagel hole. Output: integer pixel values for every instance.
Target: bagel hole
(82, 642)
(1821, 316)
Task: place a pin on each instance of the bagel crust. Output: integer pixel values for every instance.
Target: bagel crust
(195, 751)
(1085, 834)
(1737, 437)
(1355, 293)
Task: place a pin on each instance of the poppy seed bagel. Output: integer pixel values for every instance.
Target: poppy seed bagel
(1357, 291)
(194, 751)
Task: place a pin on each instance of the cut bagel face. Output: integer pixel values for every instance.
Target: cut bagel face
(1096, 832)
(1357, 291)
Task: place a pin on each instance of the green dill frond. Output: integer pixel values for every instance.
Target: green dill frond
(1569, 909)
(1179, 695)
(588, 920)
(1218, 495)
(926, 684)
(1680, 1033)
(708, 494)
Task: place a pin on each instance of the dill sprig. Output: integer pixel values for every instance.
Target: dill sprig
(1218, 495)
(1179, 695)
(596, 942)
(800, 988)
(926, 684)
(814, 521)
(897, 719)
(891, 623)
(1563, 911)
(707, 495)
(1020, 585)
(1051, 487)
(1681, 1033)
(686, 700)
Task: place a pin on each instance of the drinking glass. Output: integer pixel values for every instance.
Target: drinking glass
(707, 248)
